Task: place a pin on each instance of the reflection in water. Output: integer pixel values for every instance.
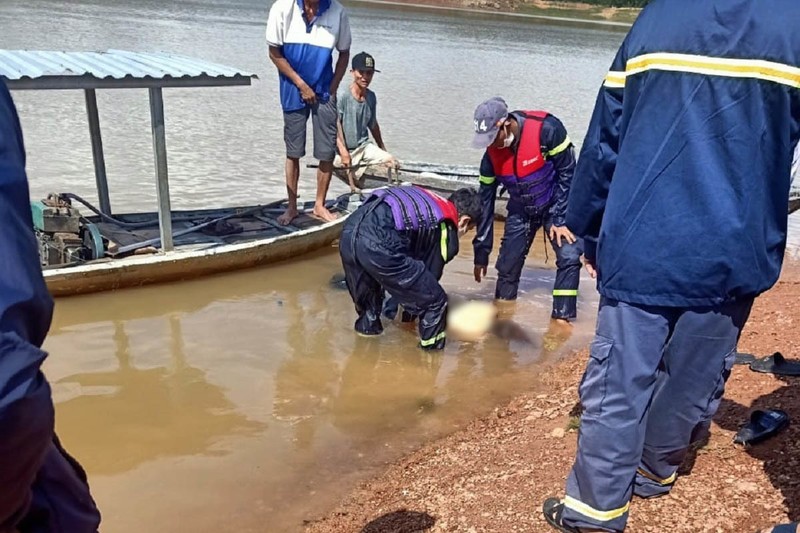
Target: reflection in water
(167, 411)
(383, 384)
(384, 391)
(306, 379)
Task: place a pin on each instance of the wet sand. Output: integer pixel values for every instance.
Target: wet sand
(493, 475)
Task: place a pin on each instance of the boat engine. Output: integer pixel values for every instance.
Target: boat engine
(64, 236)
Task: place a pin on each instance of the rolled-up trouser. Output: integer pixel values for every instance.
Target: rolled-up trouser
(374, 262)
(654, 374)
(367, 157)
(518, 236)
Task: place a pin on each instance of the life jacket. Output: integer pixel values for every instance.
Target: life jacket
(414, 208)
(526, 174)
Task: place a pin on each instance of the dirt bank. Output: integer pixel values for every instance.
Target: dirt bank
(545, 8)
(493, 475)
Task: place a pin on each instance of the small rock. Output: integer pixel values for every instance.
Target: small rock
(558, 433)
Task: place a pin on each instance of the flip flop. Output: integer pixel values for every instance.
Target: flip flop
(553, 510)
(744, 358)
(763, 425)
(776, 364)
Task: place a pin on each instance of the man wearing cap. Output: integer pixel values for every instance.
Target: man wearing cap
(528, 153)
(302, 35)
(358, 118)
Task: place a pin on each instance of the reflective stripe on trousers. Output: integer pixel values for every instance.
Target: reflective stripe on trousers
(654, 374)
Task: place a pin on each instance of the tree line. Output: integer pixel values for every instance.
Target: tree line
(617, 3)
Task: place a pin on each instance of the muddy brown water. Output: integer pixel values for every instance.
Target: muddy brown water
(245, 402)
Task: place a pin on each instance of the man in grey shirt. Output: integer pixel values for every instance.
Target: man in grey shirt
(357, 119)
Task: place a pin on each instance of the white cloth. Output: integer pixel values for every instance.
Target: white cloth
(367, 158)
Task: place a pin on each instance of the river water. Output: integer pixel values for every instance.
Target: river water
(244, 402)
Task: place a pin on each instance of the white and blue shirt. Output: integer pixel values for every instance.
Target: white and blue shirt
(308, 47)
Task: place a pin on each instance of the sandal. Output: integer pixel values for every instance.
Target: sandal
(763, 425)
(776, 364)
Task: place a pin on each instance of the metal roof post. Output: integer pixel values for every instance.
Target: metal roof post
(97, 152)
(162, 180)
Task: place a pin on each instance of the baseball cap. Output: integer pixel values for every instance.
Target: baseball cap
(363, 61)
(487, 116)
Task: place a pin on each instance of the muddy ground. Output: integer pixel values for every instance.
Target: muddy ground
(553, 8)
(493, 475)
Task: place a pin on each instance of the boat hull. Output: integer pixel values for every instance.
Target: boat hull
(260, 241)
(182, 265)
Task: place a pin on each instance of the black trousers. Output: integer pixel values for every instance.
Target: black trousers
(376, 258)
(519, 233)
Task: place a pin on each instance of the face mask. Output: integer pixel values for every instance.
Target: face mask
(509, 140)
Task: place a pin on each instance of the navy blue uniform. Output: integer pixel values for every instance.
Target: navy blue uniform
(407, 264)
(42, 489)
(691, 138)
(521, 227)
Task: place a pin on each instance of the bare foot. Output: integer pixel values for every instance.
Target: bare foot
(324, 214)
(562, 322)
(287, 217)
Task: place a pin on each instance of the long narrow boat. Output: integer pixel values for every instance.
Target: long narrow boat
(108, 254)
(445, 179)
(85, 249)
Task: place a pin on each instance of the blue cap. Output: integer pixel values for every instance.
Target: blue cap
(488, 117)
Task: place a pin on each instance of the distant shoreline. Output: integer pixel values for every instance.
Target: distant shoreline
(528, 12)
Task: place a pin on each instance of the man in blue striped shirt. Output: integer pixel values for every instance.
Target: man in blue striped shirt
(302, 35)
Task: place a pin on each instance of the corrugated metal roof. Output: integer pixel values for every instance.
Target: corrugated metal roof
(60, 68)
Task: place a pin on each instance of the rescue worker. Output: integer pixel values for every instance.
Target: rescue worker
(528, 153)
(691, 140)
(398, 241)
(42, 489)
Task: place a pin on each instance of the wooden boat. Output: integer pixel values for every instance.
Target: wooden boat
(794, 200)
(443, 179)
(105, 251)
(205, 242)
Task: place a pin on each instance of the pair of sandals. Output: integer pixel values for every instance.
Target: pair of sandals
(765, 423)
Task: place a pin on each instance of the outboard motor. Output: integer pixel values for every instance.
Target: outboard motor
(64, 236)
